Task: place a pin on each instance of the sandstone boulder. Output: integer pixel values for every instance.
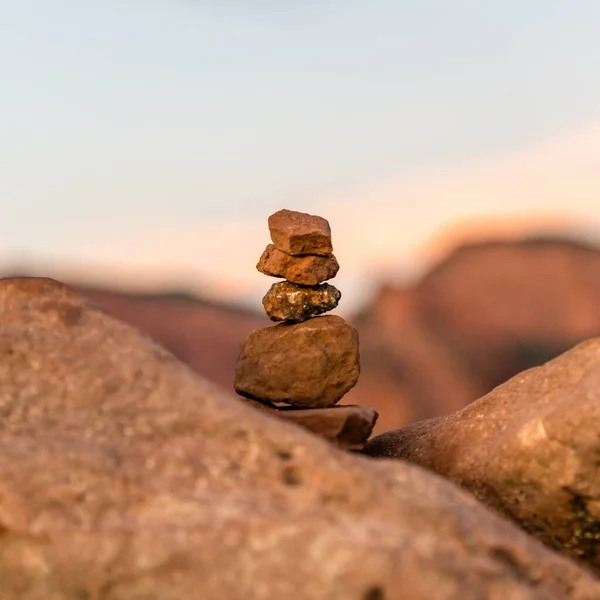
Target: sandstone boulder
(310, 364)
(300, 233)
(294, 303)
(124, 476)
(530, 448)
(308, 269)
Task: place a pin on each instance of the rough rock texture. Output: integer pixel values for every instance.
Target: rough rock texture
(123, 476)
(349, 427)
(530, 448)
(308, 269)
(300, 233)
(287, 301)
(311, 364)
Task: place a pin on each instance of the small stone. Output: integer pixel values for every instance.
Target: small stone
(307, 269)
(300, 233)
(294, 303)
(311, 364)
(348, 427)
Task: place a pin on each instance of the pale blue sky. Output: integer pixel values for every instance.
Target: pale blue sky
(180, 111)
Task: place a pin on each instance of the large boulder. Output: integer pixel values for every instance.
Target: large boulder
(530, 448)
(124, 476)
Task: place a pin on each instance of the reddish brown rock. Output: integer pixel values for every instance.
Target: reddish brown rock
(407, 373)
(308, 269)
(203, 334)
(259, 405)
(300, 233)
(310, 364)
(123, 475)
(530, 448)
(287, 301)
(348, 427)
(504, 306)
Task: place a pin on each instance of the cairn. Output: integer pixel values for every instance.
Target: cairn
(303, 366)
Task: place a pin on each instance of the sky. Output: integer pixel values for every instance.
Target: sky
(158, 136)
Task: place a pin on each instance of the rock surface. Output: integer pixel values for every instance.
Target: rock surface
(310, 364)
(300, 233)
(201, 333)
(348, 427)
(123, 476)
(308, 269)
(530, 448)
(294, 303)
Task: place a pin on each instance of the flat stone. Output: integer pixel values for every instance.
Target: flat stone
(300, 233)
(291, 302)
(530, 449)
(310, 364)
(348, 427)
(124, 475)
(308, 269)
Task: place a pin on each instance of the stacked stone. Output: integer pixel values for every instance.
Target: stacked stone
(307, 361)
(302, 254)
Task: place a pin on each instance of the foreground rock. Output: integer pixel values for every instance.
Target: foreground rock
(125, 477)
(308, 269)
(310, 364)
(287, 301)
(530, 448)
(300, 233)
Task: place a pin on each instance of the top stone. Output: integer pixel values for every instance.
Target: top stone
(300, 233)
